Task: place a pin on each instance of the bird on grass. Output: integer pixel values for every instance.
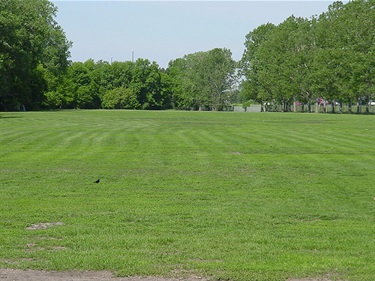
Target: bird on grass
(97, 181)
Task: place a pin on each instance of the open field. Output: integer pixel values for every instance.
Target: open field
(226, 196)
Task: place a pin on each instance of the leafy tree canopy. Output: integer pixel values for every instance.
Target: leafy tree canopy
(326, 57)
(33, 52)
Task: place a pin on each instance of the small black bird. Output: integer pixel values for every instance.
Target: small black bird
(97, 181)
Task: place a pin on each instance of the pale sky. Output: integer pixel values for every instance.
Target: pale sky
(165, 30)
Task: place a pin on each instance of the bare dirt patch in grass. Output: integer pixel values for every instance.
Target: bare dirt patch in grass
(40, 275)
(43, 225)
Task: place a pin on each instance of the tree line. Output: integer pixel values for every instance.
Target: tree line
(195, 81)
(326, 58)
(120, 85)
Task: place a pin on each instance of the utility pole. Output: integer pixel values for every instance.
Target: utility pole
(132, 56)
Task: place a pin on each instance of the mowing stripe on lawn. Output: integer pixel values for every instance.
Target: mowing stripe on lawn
(234, 196)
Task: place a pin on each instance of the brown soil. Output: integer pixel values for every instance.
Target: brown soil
(40, 275)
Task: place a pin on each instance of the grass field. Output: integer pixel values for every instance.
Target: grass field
(229, 196)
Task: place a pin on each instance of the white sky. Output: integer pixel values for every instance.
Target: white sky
(164, 30)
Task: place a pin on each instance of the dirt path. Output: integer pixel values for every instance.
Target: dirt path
(39, 275)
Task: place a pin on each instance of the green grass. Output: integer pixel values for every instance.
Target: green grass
(230, 196)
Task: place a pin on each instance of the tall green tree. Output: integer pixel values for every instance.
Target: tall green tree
(33, 52)
(181, 83)
(147, 84)
(253, 87)
(219, 74)
(203, 80)
(345, 65)
(284, 61)
(329, 57)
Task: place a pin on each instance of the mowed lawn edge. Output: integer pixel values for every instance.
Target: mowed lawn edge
(228, 196)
